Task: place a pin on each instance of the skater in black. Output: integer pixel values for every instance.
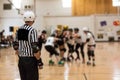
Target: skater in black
(70, 44)
(41, 40)
(79, 44)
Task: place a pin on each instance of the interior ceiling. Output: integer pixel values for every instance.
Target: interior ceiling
(48, 0)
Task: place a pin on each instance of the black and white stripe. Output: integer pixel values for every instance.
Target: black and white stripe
(25, 49)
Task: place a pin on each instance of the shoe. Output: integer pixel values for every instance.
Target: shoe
(94, 64)
(40, 65)
(61, 63)
(88, 63)
(51, 62)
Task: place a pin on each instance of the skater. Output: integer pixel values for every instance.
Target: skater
(50, 47)
(41, 40)
(61, 45)
(91, 46)
(79, 44)
(70, 43)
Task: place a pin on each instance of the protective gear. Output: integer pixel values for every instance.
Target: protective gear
(71, 37)
(76, 29)
(61, 63)
(65, 27)
(15, 45)
(58, 31)
(51, 62)
(85, 29)
(40, 63)
(35, 47)
(87, 40)
(44, 31)
(63, 49)
(70, 29)
(29, 16)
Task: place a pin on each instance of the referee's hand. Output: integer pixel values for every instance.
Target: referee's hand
(37, 55)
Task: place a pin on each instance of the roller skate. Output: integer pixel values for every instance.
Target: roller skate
(88, 63)
(40, 65)
(51, 63)
(61, 63)
(93, 64)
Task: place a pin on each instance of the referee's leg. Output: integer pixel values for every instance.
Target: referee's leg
(22, 70)
(30, 69)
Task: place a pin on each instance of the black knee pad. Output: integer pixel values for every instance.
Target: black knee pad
(64, 49)
(92, 53)
(89, 52)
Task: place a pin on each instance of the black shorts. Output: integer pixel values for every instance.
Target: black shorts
(51, 50)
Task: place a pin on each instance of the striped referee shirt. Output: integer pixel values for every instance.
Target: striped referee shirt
(26, 35)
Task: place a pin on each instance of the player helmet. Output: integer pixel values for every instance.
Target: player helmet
(65, 27)
(29, 16)
(85, 29)
(76, 29)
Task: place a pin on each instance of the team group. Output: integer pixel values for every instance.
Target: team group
(73, 39)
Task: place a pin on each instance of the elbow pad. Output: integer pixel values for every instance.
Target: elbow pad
(71, 37)
(35, 47)
(87, 40)
(15, 45)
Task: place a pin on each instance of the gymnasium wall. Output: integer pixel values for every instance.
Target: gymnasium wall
(50, 13)
(101, 25)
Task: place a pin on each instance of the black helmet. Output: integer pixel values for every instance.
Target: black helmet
(76, 29)
(70, 29)
(44, 31)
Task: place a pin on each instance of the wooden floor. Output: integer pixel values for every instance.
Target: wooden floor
(107, 66)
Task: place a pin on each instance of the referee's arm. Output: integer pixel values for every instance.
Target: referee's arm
(16, 43)
(34, 38)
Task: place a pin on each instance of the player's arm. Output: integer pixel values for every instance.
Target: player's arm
(88, 38)
(16, 44)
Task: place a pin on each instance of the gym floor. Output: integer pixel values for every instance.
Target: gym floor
(107, 65)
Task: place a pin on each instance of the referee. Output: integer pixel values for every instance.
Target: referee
(25, 46)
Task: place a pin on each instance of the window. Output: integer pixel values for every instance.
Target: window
(66, 3)
(16, 3)
(7, 6)
(116, 2)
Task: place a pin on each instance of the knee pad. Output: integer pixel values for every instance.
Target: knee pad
(89, 52)
(92, 53)
(64, 49)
